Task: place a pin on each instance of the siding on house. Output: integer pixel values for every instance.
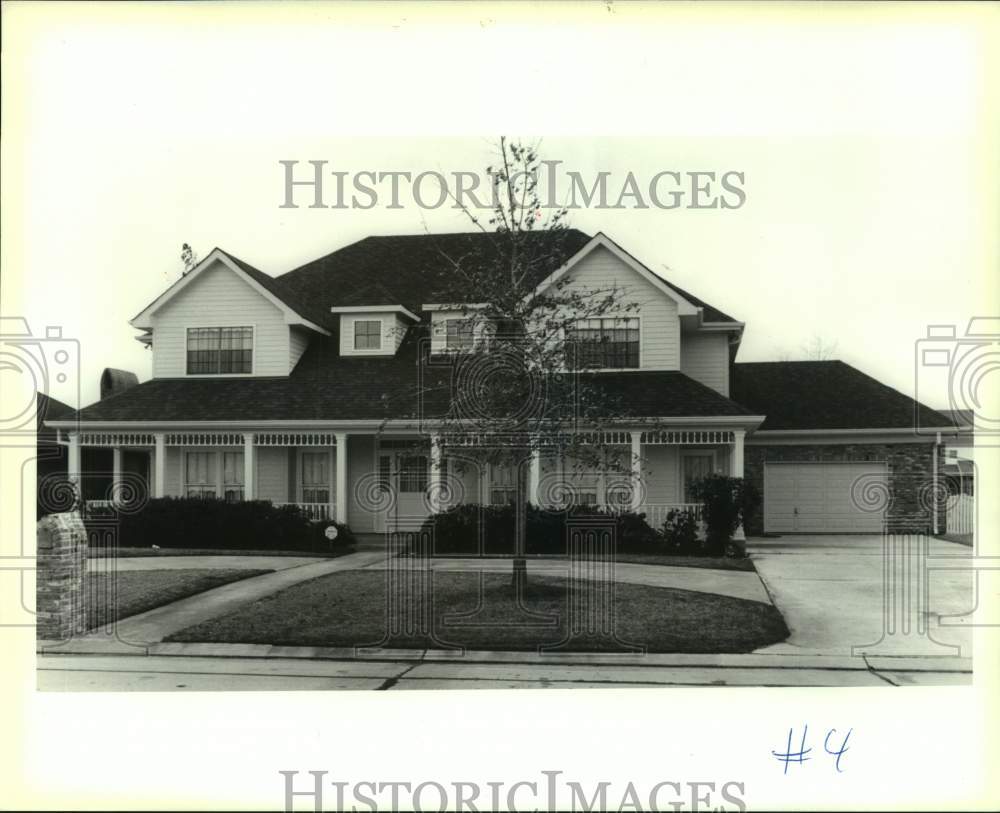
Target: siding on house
(272, 474)
(360, 482)
(217, 297)
(659, 324)
(705, 358)
(298, 341)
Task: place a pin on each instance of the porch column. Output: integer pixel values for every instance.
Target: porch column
(636, 471)
(436, 474)
(736, 468)
(116, 473)
(249, 467)
(73, 465)
(160, 465)
(534, 476)
(341, 483)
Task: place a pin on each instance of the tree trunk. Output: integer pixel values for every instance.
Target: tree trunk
(519, 574)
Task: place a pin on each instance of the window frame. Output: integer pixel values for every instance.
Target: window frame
(217, 473)
(302, 454)
(220, 327)
(682, 485)
(354, 343)
(571, 362)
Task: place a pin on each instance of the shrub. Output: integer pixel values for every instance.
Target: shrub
(474, 529)
(187, 522)
(728, 502)
(680, 533)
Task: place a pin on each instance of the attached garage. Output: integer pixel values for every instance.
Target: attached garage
(816, 496)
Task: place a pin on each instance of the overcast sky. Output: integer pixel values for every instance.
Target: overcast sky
(864, 139)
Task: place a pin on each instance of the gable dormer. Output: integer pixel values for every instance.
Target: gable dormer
(375, 330)
(224, 318)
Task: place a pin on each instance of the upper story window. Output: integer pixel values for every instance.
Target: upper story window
(458, 334)
(219, 350)
(368, 334)
(604, 343)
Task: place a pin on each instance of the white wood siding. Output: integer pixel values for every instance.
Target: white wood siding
(659, 325)
(298, 341)
(218, 297)
(360, 464)
(705, 357)
(660, 477)
(272, 474)
(393, 330)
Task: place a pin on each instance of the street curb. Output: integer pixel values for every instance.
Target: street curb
(744, 661)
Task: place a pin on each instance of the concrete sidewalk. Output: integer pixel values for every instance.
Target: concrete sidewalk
(191, 667)
(119, 564)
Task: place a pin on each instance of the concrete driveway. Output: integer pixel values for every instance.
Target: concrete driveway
(831, 591)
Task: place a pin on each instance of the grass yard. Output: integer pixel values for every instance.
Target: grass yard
(478, 611)
(129, 592)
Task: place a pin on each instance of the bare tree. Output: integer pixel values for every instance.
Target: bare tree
(818, 349)
(522, 386)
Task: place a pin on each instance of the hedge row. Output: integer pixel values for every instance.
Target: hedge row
(489, 529)
(186, 522)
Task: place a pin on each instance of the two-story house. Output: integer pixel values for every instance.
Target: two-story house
(301, 388)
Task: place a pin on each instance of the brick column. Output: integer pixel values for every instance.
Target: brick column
(60, 606)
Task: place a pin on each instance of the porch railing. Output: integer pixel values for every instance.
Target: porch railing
(315, 510)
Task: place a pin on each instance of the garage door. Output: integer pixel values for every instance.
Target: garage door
(816, 497)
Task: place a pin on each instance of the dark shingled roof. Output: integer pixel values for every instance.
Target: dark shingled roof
(50, 409)
(825, 395)
(327, 386)
(414, 269)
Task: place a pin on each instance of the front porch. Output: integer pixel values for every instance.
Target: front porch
(380, 482)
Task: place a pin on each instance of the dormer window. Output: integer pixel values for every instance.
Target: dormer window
(368, 334)
(219, 350)
(459, 335)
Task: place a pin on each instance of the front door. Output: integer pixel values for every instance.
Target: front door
(405, 475)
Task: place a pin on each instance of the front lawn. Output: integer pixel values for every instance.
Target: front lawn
(350, 609)
(112, 596)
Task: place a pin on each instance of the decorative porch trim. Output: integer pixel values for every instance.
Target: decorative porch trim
(295, 439)
(117, 439)
(205, 439)
(688, 436)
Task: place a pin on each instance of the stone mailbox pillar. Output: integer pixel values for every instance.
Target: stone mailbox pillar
(60, 606)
